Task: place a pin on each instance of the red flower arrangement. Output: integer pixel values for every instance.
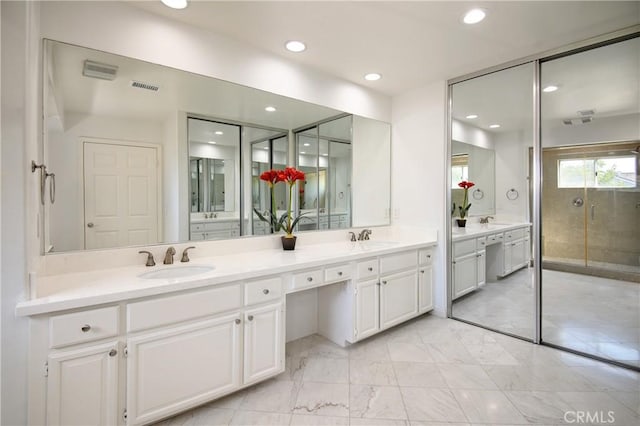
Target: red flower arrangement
(464, 208)
(289, 175)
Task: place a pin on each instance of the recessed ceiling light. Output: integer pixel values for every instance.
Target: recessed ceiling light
(218, 132)
(175, 4)
(270, 109)
(295, 46)
(494, 126)
(213, 142)
(373, 76)
(306, 144)
(472, 116)
(550, 89)
(474, 16)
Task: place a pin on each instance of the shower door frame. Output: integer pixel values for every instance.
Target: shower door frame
(536, 252)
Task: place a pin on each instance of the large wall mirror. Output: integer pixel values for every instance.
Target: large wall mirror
(146, 154)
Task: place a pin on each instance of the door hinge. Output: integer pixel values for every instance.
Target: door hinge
(124, 415)
(46, 369)
(125, 351)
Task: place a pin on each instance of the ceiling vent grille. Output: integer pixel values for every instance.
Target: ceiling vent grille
(98, 70)
(146, 86)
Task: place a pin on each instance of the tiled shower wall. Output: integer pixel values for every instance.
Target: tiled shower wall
(613, 236)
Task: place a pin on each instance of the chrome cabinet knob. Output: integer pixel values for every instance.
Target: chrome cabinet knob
(369, 269)
(113, 352)
(265, 291)
(238, 321)
(85, 328)
(250, 317)
(90, 225)
(422, 271)
(384, 283)
(339, 273)
(309, 279)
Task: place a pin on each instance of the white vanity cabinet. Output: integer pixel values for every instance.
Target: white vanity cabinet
(505, 252)
(82, 385)
(82, 368)
(389, 290)
(516, 250)
(136, 361)
(263, 343)
(367, 311)
(176, 368)
(465, 267)
(425, 280)
(173, 368)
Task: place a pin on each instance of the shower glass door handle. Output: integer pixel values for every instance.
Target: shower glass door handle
(593, 212)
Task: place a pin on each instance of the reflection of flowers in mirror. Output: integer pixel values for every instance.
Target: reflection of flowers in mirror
(464, 208)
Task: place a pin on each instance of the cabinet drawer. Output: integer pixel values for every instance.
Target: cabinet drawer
(337, 273)
(368, 268)
(516, 234)
(262, 291)
(183, 307)
(425, 256)
(83, 326)
(398, 262)
(197, 227)
(309, 278)
(481, 243)
(460, 248)
(492, 239)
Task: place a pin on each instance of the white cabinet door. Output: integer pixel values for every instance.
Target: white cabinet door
(425, 289)
(508, 261)
(263, 343)
(174, 369)
(82, 387)
(464, 275)
(398, 298)
(481, 268)
(367, 308)
(518, 254)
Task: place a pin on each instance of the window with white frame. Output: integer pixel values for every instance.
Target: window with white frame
(602, 172)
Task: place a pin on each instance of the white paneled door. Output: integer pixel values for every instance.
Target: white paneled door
(120, 195)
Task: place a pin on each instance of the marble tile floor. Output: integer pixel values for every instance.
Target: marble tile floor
(429, 371)
(595, 315)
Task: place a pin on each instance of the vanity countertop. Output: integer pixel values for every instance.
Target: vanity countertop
(84, 289)
(478, 230)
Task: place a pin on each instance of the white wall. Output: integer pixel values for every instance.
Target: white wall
(512, 169)
(20, 232)
(418, 184)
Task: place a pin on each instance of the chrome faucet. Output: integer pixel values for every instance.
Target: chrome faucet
(185, 255)
(150, 261)
(485, 219)
(352, 236)
(364, 234)
(168, 257)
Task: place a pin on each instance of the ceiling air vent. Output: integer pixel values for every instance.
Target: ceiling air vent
(146, 86)
(98, 70)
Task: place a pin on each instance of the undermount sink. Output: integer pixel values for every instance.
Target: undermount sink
(176, 272)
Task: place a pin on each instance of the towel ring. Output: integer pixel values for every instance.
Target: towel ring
(512, 194)
(477, 194)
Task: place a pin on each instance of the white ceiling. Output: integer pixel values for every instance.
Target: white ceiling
(411, 43)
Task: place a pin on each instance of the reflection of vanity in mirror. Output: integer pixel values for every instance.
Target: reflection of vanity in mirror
(146, 154)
